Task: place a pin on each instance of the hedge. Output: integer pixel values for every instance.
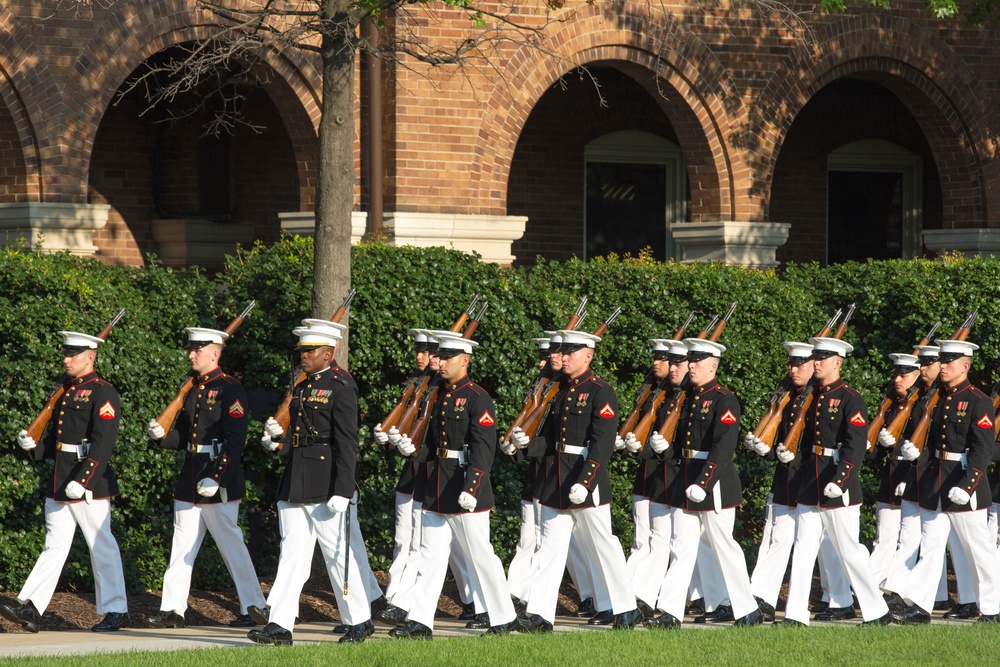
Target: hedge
(400, 288)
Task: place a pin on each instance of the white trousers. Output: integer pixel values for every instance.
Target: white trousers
(302, 525)
(581, 571)
(773, 555)
(520, 565)
(401, 575)
(993, 523)
(191, 521)
(94, 520)
(649, 567)
(711, 581)
(472, 532)
(984, 562)
(718, 530)
(641, 521)
(888, 520)
(842, 524)
(592, 528)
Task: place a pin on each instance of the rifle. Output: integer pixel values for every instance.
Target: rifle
(669, 427)
(282, 415)
(37, 427)
(794, 434)
(878, 422)
(919, 435)
(767, 428)
(536, 417)
(416, 433)
(537, 389)
(647, 388)
(169, 414)
(412, 406)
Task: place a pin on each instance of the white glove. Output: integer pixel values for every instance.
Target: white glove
(75, 490)
(273, 428)
(577, 494)
(885, 439)
(832, 491)
(338, 504)
(658, 443)
(748, 440)
(394, 436)
(405, 446)
(900, 489)
(632, 444)
(269, 445)
(759, 446)
(381, 437)
(957, 495)
(519, 437)
(695, 493)
(467, 501)
(155, 430)
(619, 443)
(783, 454)
(208, 487)
(909, 451)
(25, 441)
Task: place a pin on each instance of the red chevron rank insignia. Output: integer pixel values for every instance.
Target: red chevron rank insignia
(236, 409)
(486, 419)
(985, 422)
(107, 411)
(607, 411)
(728, 418)
(858, 419)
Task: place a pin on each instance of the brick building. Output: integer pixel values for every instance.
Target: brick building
(709, 134)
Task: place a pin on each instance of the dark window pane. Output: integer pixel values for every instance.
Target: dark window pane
(626, 208)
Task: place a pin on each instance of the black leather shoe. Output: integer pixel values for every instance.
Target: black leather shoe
(520, 606)
(468, 612)
(272, 633)
(881, 620)
(113, 621)
(894, 602)
(964, 611)
(260, 616)
(989, 618)
(392, 615)
(165, 619)
(378, 605)
(535, 623)
(722, 614)
(358, 633)
(628, 620)
(242, 621)
(695, 607)
(480, 622)
(912, 616)
(942, 605)
(340, 628)
(503, 628)
(766, 609)
(647, 611)
(586, 609)
(23, 613)
(836, 614)
(822, 605)
(606, 617)
(789, 623)
(411, 630)
(753, 618)
(664, 621)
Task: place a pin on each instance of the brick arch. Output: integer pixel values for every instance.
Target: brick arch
(129, 38)
(923, 71)
(706, 105)
(23, 71)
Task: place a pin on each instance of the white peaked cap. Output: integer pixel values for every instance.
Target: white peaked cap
(579, 338)
(702, 346)
(834, 345)
(74, 339)
(205, 336)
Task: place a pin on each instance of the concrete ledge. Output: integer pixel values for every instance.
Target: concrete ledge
(54, 227)
(303, 223)
(745, 243)
(189, 241)
(489, 235)
(971, 241)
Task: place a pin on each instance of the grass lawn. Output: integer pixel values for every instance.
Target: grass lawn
(823, 646)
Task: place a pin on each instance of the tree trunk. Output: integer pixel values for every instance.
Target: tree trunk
(335, 173)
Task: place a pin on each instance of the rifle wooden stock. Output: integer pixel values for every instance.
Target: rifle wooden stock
(169, 414)
(669, 427)
(794, 435)
(770, 430)
(898, 423)
(37, 427)
(410, 387)
(878, 421)
(642, 429)
(533, 421)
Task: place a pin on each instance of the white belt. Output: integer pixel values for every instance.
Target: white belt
(201, 449)
(573, 450)
(695, 454)
(824, 451)
(950, 456)
(71, 449)
(452, 454)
